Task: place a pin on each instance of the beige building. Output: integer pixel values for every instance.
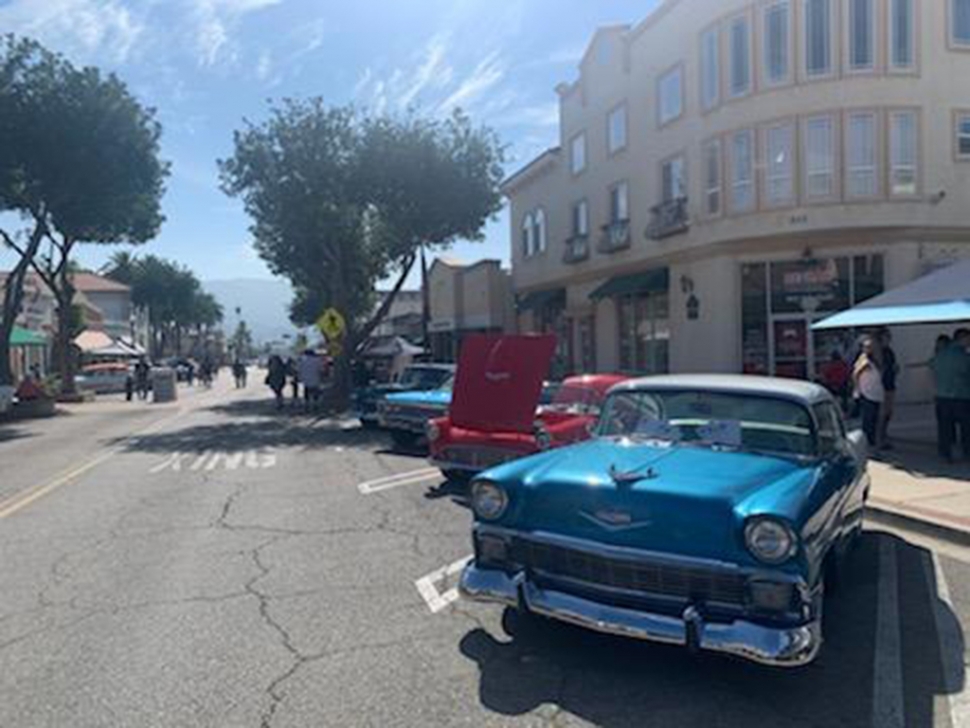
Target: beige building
(730, 171)
(463, 299)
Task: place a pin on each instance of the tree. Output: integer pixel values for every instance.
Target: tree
(340, 201)
(242, 341)
(86, 169)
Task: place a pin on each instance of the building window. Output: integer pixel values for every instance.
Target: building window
(777, 43)
(779, 165)
(527, 233)
(862, 34)
(818, 37)
(616, 129)
(742, 171)
(819, 158)
(581, 219)
(578, 153)
(710, 69)
(740, 56)
(673, 179)
(713, 178)
(644, 323)
(671, 92)
(960, 22)
(619, 202)
(902, 35)
(963, 135)
(585, 359)
(862, 161)
(539, 231)
(903, 153)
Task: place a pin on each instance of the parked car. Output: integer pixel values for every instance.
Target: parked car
(465, 443)
(708, 511)
(406, 414)
(416, 378)
(106, 378)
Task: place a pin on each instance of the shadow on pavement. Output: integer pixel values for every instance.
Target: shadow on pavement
(611, 681)
(923, 464)
(11, 432)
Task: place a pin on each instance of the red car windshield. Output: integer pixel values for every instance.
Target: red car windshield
(576, 400)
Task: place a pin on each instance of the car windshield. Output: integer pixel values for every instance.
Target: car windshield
(710, 419)
(549, 392)
(576, 400)
(424, 378)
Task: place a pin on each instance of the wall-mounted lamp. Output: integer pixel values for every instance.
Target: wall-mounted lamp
(686, 285)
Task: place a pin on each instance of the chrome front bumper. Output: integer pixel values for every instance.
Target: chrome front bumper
(777, 647)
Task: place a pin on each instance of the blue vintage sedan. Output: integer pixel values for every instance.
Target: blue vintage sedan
(709, 512)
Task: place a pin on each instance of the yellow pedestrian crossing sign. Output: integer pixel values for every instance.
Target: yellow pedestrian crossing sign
(332, 324)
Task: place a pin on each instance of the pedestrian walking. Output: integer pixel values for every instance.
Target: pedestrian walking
(889, 366)
(239, 374)
(294, 378)
(276, 378)
(310, 370)
(141, 378)
(868, 389)
(951, 375)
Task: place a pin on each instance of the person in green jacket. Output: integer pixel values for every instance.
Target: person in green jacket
(951, 373)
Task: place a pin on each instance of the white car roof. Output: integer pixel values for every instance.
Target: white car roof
(793, 389)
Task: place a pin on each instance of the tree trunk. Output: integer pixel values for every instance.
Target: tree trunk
(13, 297)
(65, 356)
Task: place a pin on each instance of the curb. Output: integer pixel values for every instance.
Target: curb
(889, 516)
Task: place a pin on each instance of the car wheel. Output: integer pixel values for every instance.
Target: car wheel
(403, 440)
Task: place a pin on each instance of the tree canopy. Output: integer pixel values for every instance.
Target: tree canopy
(79, 163)
(341, 200)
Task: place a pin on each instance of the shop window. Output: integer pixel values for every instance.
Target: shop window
(819, 140)
(963, 135)
(862, 160)
(777, 43)
(754, 318)
(868, 277)
(644, 323)
(584, 360)
(710, 69)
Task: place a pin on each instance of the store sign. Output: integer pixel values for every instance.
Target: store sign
(807, 285)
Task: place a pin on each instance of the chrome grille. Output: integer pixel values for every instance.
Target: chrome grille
(649, 578)
(476, 457)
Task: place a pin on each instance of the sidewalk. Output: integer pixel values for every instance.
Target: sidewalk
(912, 486)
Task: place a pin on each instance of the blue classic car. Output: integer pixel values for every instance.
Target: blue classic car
(405, 415)
(708, 512)
(416, 378)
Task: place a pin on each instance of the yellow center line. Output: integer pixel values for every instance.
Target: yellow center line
(21, 500)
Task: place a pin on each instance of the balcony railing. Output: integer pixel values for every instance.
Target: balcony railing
(616, 236)
(668, 218)
(577, 249)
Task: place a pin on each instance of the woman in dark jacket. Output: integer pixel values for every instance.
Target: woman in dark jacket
(276, 378)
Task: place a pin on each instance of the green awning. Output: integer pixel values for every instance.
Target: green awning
(542, 299)
(26, 337)
(656, 280)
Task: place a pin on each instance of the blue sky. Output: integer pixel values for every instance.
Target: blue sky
(207, 64)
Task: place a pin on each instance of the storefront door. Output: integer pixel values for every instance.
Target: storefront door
(797, 352)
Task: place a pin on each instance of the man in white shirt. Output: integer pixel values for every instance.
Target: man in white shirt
(310, 371)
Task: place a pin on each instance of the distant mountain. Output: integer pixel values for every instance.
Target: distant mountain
(264, 304)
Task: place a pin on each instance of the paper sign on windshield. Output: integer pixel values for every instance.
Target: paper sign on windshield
(658, 430)
(721, 432)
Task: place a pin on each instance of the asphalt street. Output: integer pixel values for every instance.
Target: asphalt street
(215, 563)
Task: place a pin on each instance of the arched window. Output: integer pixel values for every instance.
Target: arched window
(528, 243)
(539, 231)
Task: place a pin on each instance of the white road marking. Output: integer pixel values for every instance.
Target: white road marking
(214, 460)
(200, 461)
(394, 481)
(428, 586)
(887, 691)
(951, 642)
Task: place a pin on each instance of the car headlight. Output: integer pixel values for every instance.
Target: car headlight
(769, 540)
(543, 438)
(432, 431)
(489, 500)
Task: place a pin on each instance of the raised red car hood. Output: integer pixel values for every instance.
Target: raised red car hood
(499, 382)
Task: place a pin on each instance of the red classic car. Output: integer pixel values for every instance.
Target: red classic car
(495, 415)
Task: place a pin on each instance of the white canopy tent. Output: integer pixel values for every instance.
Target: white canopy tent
(940, 297)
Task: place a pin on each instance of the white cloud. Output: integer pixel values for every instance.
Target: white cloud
(264, 66)
(213, 22)
(487, 74)
(434, 71)
(79, 28)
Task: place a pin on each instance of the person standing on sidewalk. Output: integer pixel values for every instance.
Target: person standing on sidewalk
(951, 373)
(276, 378)
(890, 370)
(868, 389)
(310, 370)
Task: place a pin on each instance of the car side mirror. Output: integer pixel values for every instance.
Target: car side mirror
(858, 445)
